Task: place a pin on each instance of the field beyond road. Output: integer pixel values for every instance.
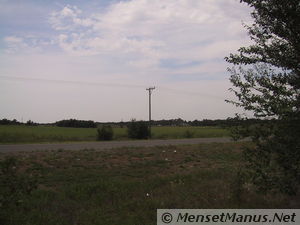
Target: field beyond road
(104, 145)
(126, 186)
(52, 134)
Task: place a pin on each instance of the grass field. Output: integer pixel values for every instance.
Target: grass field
(39, 134)
(126, 186)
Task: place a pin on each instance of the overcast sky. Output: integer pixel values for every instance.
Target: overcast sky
(94, 59)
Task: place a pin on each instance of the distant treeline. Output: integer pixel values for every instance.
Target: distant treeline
(172, 122)
(76, 123)
(15, 122)
(9, 122)
(180, 122)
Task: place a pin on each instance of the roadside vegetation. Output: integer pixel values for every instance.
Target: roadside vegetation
(105, 133)
(47, 133)
(127, 185)
(138, 130)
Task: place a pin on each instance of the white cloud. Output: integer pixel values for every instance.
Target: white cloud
(13, 39)
(68, 19)
(15, 44)
(70, 11)
(27, 44)
(148, 31)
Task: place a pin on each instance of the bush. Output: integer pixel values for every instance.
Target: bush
(138, 130)
(105, 133)
(188, 134)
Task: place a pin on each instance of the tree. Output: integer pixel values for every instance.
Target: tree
(31, 123)
(266, 81)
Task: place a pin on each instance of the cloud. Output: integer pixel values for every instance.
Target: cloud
(69, 19)
(185, 38)
(146, 32)
(15, 44)
(13, 39)
(27, 44)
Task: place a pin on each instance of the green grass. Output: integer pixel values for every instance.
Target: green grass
(30, 134)
(39, 134)
(188, 132)
(126, 186)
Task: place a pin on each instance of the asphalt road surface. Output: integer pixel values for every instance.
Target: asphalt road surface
(104, 145)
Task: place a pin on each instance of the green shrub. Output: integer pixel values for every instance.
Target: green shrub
(138, 130)
(105, 133)
(188, 134)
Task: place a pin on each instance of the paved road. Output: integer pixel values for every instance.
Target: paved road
(102, 145)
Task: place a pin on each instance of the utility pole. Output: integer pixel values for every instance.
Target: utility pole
(150, 89)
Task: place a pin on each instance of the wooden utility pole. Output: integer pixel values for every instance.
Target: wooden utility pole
(150, 89)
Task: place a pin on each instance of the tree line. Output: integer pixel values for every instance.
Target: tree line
(171, 122)
(76, 123)
(16, 122)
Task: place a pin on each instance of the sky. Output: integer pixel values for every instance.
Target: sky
(94, 59)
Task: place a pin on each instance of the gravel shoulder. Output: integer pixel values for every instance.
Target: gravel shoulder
(104, 145)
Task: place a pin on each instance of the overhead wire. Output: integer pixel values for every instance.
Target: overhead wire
(71, 82)
(162, 88)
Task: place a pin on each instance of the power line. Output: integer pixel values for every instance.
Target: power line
(191, 93)
(71, 82)
(162, 88)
